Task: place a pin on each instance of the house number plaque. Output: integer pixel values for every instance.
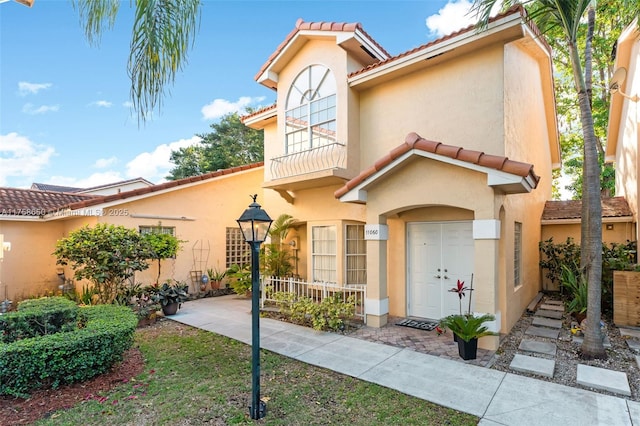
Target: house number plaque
(376, 232)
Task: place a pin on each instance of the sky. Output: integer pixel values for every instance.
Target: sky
(65, 116)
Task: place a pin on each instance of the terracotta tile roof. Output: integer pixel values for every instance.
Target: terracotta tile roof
(317, 26)
(159, 187)
(514, 9)
(258, 112)
(414, 141)
(572, 209)
(55, 188)
(34, 202)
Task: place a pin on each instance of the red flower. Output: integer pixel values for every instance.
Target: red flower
(459, 288)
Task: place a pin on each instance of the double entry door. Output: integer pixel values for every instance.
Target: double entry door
(438, 255)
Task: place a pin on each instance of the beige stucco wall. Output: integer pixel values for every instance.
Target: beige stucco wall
(527, 140)
(628, 143)
(444, 103)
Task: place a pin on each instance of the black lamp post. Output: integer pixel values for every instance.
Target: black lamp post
(255, 224)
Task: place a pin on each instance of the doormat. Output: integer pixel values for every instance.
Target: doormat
(419, 324)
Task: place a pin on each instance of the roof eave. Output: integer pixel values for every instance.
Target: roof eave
(511, 22)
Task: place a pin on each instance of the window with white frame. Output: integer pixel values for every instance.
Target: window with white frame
(311, 110)
(237, 251)
(323, 253)
(517, 253)
(356, 255)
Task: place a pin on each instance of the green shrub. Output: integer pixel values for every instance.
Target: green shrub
(240, 278)
(38, 317)
(67, 357)
(329, 314)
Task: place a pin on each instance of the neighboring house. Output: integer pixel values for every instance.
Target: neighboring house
(201, 211)
(108, 189)
(425, 158)
(623, 141)
(562, 220)
(405, 173)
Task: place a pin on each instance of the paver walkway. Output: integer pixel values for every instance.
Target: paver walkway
(538, 356)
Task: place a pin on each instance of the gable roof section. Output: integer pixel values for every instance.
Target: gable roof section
(55, 188)
(570, 211)
(258, 119)
(350, 36)
(155, 189)
(35, 202)
(508, 175)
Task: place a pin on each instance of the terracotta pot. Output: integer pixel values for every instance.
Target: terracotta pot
(171, 308)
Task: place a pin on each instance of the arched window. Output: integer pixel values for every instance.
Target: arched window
(311, 110)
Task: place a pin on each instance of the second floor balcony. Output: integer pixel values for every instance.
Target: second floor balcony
(320, 162)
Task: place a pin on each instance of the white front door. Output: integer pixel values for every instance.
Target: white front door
(439, 254)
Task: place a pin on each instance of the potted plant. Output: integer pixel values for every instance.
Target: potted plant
(466, 328)
(171, 296)
(216, 276)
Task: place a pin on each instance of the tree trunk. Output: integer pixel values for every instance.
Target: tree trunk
(591, 245)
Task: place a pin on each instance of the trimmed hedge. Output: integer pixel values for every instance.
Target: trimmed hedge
(67, 357)
(39, 317)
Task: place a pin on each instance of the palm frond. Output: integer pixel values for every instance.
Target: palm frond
(163, 32)
(96, 16)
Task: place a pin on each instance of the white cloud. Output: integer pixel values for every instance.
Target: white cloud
(26, 88)
(155, 165)
(453, 17)
(101, 103)
(103, 163)
(42, 109)
(20, 157)
(220, 107)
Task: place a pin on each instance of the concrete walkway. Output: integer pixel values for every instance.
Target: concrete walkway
(498, 398)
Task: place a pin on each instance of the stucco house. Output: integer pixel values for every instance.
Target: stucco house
(623, 141)
(405, 173)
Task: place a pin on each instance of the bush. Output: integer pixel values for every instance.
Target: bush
(329, 314)
(38, 317)
(67, 357)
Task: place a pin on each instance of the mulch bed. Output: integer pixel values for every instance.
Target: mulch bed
(44, 402)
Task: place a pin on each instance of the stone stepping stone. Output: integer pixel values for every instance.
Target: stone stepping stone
(554, 302)
(638, 360)
(545, 348)
(533, 365)
(605, 342)
(547, 322)
(605, 379)
(548, 307)
(631, 332)
(548, 314)
(542, 332)
(634, 345)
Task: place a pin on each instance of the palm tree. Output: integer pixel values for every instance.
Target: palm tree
(163, 32)
(567, 15)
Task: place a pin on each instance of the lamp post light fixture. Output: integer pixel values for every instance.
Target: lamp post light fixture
(254, 224)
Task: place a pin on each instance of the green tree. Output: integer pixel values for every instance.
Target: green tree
(611, 17)
(566, 16)
(106, 255)
(163, 246)
(163, 32)
(230, 144)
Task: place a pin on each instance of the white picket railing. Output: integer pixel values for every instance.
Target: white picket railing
(315, 290)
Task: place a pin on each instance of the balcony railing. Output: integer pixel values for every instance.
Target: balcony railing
(325, 157)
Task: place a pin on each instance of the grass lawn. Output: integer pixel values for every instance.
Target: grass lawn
(194, 377)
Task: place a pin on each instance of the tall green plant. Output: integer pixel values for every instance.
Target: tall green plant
(576, 286)
(163, 246)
